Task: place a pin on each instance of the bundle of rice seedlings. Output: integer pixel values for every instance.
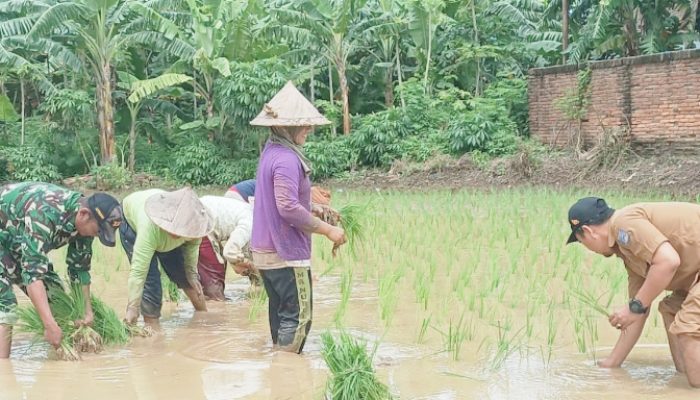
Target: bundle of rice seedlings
(85, 338)
(352, 374)
(63, 311)
(107, 328)
(108, 325)
(350, 217)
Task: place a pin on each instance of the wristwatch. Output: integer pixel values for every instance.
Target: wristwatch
(636, 307)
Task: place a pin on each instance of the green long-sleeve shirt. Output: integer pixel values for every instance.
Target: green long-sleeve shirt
(149, 240)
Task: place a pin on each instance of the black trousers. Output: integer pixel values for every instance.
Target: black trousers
(290, 306)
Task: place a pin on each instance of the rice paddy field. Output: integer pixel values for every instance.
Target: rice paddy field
(464, 294)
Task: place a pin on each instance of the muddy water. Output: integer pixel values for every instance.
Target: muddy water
(226, 352)
(222, 354)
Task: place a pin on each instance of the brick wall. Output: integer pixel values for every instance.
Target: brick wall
(656, 97)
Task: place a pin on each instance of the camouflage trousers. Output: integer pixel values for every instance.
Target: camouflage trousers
(10, 273)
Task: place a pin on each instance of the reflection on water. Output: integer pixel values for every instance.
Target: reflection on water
(223, 354)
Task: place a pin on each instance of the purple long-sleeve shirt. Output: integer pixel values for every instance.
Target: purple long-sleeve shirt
(282, 221)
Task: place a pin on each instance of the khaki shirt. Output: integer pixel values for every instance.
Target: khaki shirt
(638, 230)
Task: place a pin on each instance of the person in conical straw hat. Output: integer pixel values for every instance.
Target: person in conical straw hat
(282, 218)
(166, 227)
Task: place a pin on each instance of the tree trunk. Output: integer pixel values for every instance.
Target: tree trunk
(209, 99)
(330, 90)
(346, 101)
(194, 94)
(105, 115)
(312, 88)
(399, 74)
(564, 28)
(22, 94)
(389, 88)
(427, 58)
(133, 111)
(477, 86)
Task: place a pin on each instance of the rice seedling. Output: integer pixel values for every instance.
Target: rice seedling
(351, 219)
(170, 290)
(455, 335)
(589, 300)
(345, 290)
(505, 345)
(423, 329)
(108, 324)
(258, 301)
(352, 375)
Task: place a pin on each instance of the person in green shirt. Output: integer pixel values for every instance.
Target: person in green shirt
(166, 227)
(36, 218)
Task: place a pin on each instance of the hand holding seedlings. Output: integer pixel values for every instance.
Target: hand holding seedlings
(132, 314)
(53, 334)
(623, 318)
(87, 320)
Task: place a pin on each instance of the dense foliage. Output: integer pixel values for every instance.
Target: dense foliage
(167, 87)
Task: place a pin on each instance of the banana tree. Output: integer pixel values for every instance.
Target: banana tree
(92, 33)
(26, 73)
(136, 92)
(426, 16)
(333, 26)
(385, 47)
(630, 27)
(213, 33)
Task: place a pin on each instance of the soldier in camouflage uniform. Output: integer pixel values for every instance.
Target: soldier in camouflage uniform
(36, 218)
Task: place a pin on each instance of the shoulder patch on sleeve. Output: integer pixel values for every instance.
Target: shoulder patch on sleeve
(623, 237)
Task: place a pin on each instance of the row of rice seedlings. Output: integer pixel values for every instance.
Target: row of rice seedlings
(536, 257)
(352, 374)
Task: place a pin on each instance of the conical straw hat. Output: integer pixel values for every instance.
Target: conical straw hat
(180, 213)
(289, 108)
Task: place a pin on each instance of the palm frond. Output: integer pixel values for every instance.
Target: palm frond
(11, 59)
(16, 26)
(57, 15)
(147, 87)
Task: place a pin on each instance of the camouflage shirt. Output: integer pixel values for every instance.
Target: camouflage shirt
(36, 218)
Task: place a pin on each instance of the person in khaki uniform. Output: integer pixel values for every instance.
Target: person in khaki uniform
(659, 244)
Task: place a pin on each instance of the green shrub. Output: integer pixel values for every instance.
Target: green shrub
(485, 127)
(231, 172)
(111, 176)
(28, 163)
(330, 158)
(197, 163)
(376, 138)
(513, 93)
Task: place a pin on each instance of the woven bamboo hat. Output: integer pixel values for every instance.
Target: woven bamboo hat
(180, 213)
(289, 108)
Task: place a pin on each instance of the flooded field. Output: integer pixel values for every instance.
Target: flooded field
(469, 295)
